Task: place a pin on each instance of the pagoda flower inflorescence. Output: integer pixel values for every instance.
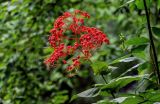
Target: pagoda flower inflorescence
(85, 39)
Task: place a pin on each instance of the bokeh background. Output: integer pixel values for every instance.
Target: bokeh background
(24, 32)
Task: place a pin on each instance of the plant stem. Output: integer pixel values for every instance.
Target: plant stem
(112, 93)
(104, 78)
(155, 59)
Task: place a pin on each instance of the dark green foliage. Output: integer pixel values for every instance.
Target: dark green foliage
(156, 31)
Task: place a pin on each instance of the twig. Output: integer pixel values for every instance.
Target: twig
(155, 59)
(112, 93)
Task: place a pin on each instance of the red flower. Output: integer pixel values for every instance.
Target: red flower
(64, 62)
(86, 38)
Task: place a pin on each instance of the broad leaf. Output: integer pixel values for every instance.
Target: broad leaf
(137, 41)
(119, 100)
(99, 66)
(128, 59)
(141, 55)
(140, 4)
(123, 66)
(105, 101)
(93, 92)
(128, 2)
(122, 59)
(133, 100)
(156, 31)
(118, 83)
(132, 68)
(152, 95)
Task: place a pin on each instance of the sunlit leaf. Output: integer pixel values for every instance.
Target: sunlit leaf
(93, 92)
(137, 41)
(124, 59)
(118, 83)
(99, 66)
(140, 4)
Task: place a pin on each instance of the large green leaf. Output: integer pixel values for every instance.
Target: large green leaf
(121, 59)
(137, 41)
(140, 52)
(128, 2)
(148, 97)
(131, 69)
(141, 55)
(128, 100)
(124, 66)
(119, 100)
(140, 4)
(156, 31)
(104, 101)
(99, 67)
(118, 83)
(152, 95)
(92, 92)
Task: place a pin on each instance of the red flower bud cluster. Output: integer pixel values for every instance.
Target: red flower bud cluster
(85, 39)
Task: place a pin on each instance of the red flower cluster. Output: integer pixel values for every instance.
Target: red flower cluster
(86, 39)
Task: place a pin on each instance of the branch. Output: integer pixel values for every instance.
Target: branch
(155, 59)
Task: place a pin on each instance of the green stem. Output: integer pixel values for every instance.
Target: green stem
(104, 78)
(155, 59)
(112, 93)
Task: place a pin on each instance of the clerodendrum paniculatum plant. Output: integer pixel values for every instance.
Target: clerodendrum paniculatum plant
(84, 39)
(74, 42)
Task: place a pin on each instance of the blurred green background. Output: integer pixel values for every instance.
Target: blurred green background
(24, 32)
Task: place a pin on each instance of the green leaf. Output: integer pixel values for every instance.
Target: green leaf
(152, 95)
(104, 101)
(133, 99)
(132, 68)
(140, 5)
(93, 92)
(124, 59)
(60, 99)
(124, 65)
(141, 55)
(11, 7)
(137, 41)
(140, 52)
(158, 4)
(128, 59)
(139, 48)
(118, 83)
(128, 2)
(73, 98)
(156, 31)
(104, 52)
(48, 50)
(99, 66)
(3, 66)
(119, 100)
